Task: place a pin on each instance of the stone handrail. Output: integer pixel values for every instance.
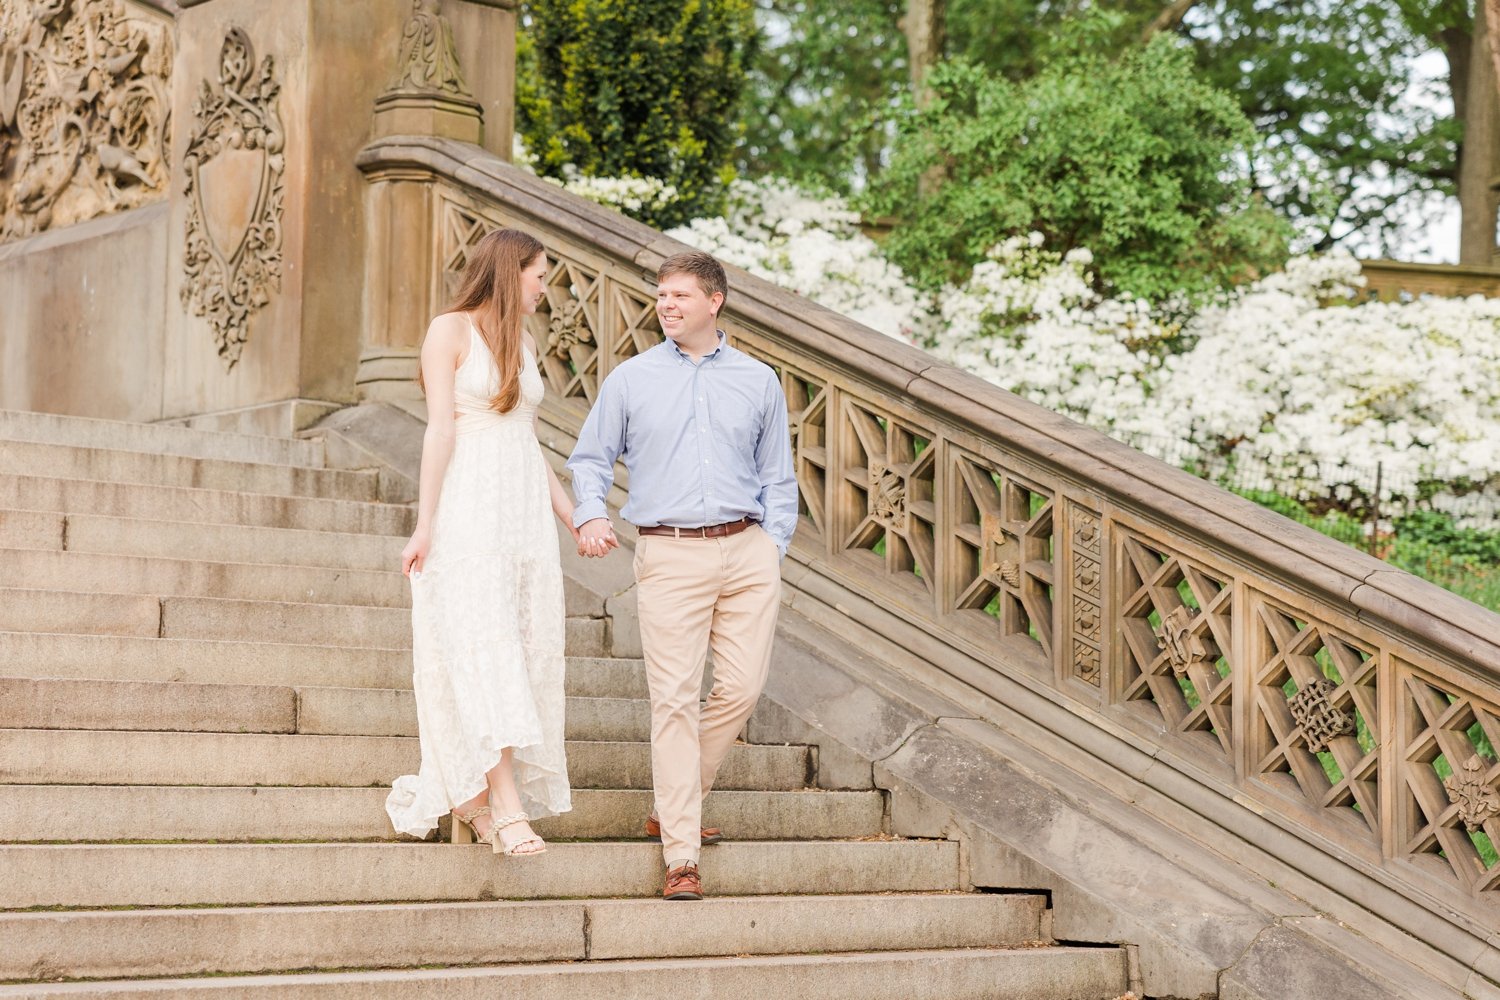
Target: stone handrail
(1287, 690)
(1389, 280)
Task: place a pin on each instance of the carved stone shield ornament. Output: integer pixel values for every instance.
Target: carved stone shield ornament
(234, 166)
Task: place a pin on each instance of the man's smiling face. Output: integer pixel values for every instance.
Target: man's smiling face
(683, 307)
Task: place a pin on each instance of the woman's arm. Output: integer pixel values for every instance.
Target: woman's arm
(441, 350)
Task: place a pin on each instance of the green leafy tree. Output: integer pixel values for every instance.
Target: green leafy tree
(1347, 154)
(828, 75)
(1345, 151)
(636, 88)
(1135, 158)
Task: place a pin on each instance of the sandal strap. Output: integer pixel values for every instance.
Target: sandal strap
(471, 817)
(511, 820)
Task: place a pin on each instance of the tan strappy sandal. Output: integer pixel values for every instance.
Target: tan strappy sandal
(467, 819)
(514, 850)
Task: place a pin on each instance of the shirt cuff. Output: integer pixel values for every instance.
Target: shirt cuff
(587, 511)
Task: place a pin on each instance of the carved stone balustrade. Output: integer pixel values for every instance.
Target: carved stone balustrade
(1310, 708)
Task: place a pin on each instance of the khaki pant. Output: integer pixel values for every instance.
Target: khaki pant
(696, 593)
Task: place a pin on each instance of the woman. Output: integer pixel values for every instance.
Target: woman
(486, 580)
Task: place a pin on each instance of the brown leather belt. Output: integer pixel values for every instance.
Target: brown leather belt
(711, 531)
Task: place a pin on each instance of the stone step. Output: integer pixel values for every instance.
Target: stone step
(109, 875)
(126, 658)
(82, 571)
(225, 619)
(122, 658)
(158, 439)
(55, 703)
(112, 757)
(114, 943)
(220, 543)
(111, 465)
(175, 503)
(31, 549)
(971, 974)
(101, 813)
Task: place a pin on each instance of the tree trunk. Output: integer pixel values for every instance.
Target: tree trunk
(926, 28)
(1479, 155)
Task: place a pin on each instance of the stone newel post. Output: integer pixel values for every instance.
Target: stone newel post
(428, 95)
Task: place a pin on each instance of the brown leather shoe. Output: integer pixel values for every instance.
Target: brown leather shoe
(683, 883)
(706, 835)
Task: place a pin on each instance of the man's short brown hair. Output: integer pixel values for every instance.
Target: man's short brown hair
(709, 272)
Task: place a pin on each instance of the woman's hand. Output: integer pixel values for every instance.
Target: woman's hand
(415, 554)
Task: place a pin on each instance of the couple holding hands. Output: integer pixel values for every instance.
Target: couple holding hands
(702, 429)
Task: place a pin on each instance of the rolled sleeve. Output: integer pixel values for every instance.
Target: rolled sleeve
(778, 478)
(592, 463)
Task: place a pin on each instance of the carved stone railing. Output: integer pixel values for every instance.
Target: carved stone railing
(1289, 691)
(1393, 280)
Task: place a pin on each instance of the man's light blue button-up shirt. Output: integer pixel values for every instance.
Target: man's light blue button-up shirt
(705, 443)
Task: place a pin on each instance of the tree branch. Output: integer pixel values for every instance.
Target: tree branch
(1170, 17)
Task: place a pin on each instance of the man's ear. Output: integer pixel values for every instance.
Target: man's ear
(716, 302)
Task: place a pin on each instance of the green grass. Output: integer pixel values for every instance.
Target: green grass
(1424, 543)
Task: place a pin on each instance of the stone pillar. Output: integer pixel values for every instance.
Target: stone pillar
(428, 95)
(270, 229)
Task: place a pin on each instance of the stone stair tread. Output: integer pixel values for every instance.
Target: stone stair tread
(156, 469)
(33, 551)
(1058, 973)
(119, 757)
(91, 572)
(208, 661)
(158, 706)
(51, 428)
(234, 543)
(60, 495)
(108, 875)
(227, 813)
(257, 940)
(89, 612)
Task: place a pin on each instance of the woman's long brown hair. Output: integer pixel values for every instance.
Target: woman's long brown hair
(491, 293)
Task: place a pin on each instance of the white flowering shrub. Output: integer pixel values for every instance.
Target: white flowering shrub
(1289, 378)
(812, 246)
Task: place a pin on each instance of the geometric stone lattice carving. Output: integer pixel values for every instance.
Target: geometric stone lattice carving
(1450, 783)
(566, 328)
(234, 165)
(1176, 619)
(807, 418)
(1088, 599)
(84, 111)
(887, 494)
(1314, 714)
(1319, 720)
(1002, 529)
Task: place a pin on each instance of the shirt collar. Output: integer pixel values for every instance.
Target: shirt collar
(722, 349)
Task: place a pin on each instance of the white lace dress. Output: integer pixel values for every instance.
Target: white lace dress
(487, 614)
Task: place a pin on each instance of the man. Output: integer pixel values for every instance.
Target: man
(702, 428)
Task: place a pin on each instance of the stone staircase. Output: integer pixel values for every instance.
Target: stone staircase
(205, 690)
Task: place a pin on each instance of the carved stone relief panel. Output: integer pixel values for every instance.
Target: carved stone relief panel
(1087, 612)
(85, 111)
(234, 166)
(1450, 782)
(428, 60)
(1176, 620)
(1315, 716)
